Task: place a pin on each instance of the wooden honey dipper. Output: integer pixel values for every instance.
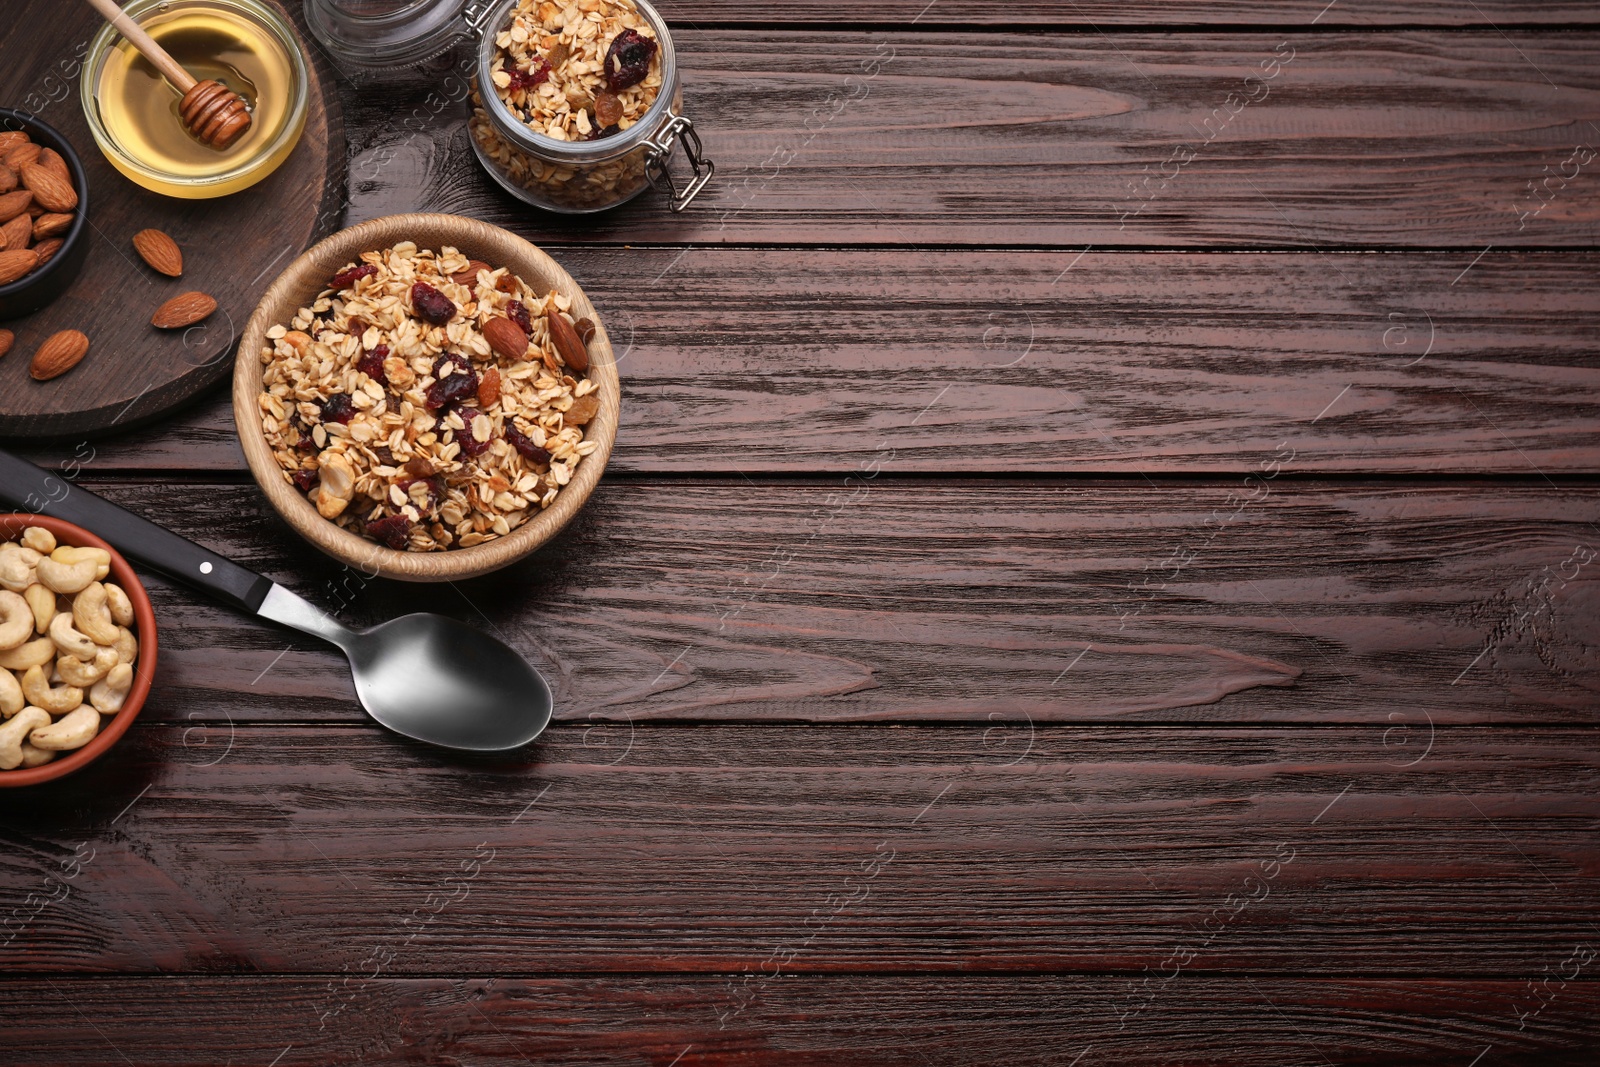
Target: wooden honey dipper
(214, 113)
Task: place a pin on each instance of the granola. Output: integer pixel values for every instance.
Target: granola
(421, 402)
(579, 71)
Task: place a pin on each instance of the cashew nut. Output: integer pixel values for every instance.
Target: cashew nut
(91, 614)
(67, 577)
(73, 730)
(71, 554)
(17, 566)
(36, 687)
(35, 653)
(43, 603)
(14, 732)
(109, 693)
(34, 757)
(39, 539)
(70, 641)
(121, 606)
(16, 620)
(337, 485)
(75, 671)
(127, 645)
(11, 700)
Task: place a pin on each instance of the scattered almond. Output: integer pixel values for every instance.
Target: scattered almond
(50, 191)
(50, 225)
(14, 203)
(568, 344)
(185, 310)
(10, 139)
(469, 275)
(7, 339)
(48, 248)
(506, 338)
(159, 251)
(8, 179)
(51, 160)
(59, 354)
(16, 262)
(18, 233)
(26, 152)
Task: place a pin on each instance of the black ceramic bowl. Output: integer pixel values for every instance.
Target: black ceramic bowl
(34, 290)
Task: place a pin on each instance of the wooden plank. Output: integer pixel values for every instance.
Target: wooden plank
(1107, 14)
(865, 1020)
(965, 602)
(337, 850)
(768, 360)
(1380, 139)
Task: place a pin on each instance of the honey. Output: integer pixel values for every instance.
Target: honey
(138, 108)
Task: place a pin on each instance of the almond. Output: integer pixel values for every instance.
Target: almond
(15, 262)
(185, 310)
(18, 233)
(50, 225)
(8, 179)
(10, 139)
(568, 344)
(489, 389)
(7, 339)
(506, 338)
(48, 248)
(51, 161)
(14, 204)
(26, 152)
(59, 354)
(468, 276)
(50, 191)
(160, 251)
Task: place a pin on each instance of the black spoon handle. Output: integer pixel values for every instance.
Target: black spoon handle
(25, 486)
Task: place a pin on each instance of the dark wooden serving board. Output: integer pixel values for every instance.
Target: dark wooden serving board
(233, 247)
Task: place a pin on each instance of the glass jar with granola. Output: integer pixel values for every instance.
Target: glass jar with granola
(575, 104)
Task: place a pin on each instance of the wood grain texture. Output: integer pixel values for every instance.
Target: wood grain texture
(865, 1020)
(771, 360)
(708, 849)
(135, 373)
(1383, 139)
(969, 602)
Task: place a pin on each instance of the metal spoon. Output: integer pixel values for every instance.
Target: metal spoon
(424, 676)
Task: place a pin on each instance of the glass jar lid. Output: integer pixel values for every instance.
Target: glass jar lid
(373, 34)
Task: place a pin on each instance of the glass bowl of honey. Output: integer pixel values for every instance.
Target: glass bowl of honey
(133, 111)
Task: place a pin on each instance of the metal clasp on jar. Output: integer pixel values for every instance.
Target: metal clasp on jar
(655, 163)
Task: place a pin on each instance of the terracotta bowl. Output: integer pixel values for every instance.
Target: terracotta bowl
(144, 628)
(299, 285)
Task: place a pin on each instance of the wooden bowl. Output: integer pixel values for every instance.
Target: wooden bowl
(299, 285)
(144, 671)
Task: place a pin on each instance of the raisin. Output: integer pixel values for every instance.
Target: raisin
(385, 456)
(470, 446)
(607, 108)
(338, 408)
(304, 480)
(585, 329)
(435, 484)
(524, 444)
(349, 276)
(462, 383)
(595, 132)
(517, 312)
(420, 467)
(559, 54)
(537, 74)
(371, 364)
(394, 531)
(628, 60)
(431, 305)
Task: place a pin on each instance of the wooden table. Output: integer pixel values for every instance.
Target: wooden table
(1099, 568)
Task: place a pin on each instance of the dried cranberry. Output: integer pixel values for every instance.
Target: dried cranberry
(462, 383)
(303, 443)
(394, 531)
(304, 480)
(371, 364)
(431, 305)
(524, 444)
(517, 312)
(595, 132)
(338, 408)
(348, 277)
(628, 60)
(470, 446)
(538, 73)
